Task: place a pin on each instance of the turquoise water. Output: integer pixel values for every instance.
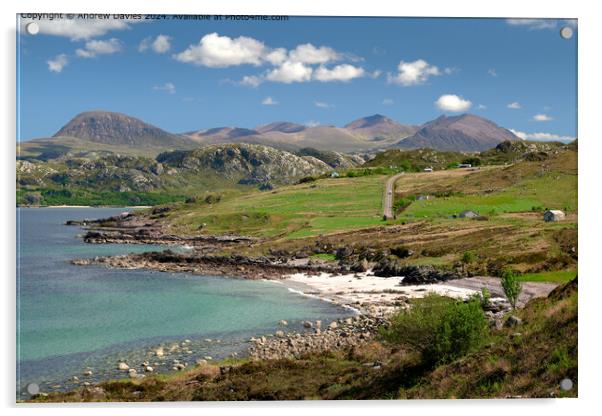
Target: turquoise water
(75, 317)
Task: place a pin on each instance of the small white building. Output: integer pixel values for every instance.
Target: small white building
(334, 174)
(428, 169)
(469, 214)
(553, 215)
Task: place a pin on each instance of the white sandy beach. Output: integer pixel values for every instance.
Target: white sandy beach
(367, 292)
(373, 294)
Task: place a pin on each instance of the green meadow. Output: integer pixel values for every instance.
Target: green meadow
(309, 209)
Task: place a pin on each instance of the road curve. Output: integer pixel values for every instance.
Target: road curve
(388, 197)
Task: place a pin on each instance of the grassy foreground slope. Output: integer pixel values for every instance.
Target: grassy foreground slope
(529, 361)
(318, 207)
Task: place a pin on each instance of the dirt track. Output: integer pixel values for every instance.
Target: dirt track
(530, 289)
(388, 197)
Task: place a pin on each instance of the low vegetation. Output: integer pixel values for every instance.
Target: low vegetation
(439, 328)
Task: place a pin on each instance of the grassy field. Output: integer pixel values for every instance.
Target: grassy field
(553, 191)
(320, 207)
(561, 276)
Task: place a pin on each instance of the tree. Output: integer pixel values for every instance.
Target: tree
(512, 287)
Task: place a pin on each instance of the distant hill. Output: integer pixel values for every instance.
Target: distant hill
(465, 132)
(119, 129)
(379, 127)
(221, 133)
(364, 134)
(282, 127)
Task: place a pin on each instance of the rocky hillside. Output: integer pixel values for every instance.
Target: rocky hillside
(464, 133)
(83, 178)
(245, 163)
(119, 129)
(335, 160)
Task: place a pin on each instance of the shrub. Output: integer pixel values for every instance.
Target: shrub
(401, 251)
(512, 287)
(439, 328)
(474, 161)
(307, 179)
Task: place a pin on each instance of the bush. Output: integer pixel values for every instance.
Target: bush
(511, 286)
(306, 179)
(439, 328)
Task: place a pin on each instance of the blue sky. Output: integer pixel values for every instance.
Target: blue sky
(190, 75)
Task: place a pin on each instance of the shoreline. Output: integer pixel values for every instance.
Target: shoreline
(87, 206)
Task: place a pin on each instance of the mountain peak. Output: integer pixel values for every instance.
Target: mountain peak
(381, 126)
(119, 129)
(464, 132)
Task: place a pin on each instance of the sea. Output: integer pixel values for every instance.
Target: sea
(76, 320)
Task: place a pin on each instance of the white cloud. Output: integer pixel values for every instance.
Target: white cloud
(533, 24)
(217, 51)
(269, 101)
(57, 64)
(481, 107)
(99, 47)
(168, 87)
(452, 103)
(276, 56)
(321, 104)
(251, 81)
(161, 44)
(304, 63)
(542, 117)
(343, 72)
(312, 123)
(492, 72)
(290, 72)
(79, 29)
(309, 54)
(514, 105)
(413, 73)
(388, 101)
(543, 137)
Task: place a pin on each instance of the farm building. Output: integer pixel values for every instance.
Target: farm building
(428, 169)
(334, 174)
(468, 214)
(465, 165)
(553, 215)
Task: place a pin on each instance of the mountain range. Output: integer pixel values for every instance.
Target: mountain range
(116, 132)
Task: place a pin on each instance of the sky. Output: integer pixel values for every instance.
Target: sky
(186, 75)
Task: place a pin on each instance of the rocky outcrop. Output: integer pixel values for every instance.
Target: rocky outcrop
(232, 265)
(413, 275)
(245, 163)
(344, 333)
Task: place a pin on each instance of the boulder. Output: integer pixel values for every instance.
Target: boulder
(513, 321)
(123, 366)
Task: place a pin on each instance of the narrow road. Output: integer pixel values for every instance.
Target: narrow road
(388, 197)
